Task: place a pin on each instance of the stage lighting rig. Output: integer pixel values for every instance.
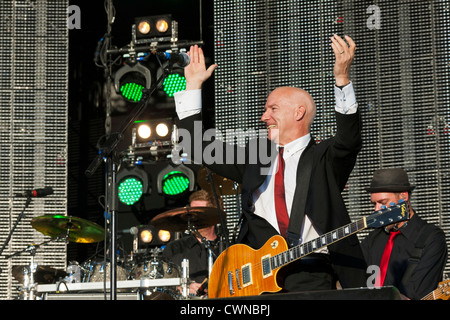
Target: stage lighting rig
(148, 236)
(159, 28)
(173, 82)
(133, 183)
(175, 180)
(131, 79)
(152, 137)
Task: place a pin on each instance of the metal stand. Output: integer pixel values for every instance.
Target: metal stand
(223, 234)
(27, 203)
(29, 286)
(107, 144)
(185, 278)
(107, 153)
(207, 244)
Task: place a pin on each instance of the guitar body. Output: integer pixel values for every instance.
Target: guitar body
(238, 271)
(242, 271)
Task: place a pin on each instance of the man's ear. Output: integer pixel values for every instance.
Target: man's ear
(300, 113)
(404, 196)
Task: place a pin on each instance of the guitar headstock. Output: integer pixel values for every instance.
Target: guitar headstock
(443, 290)
(392, 214)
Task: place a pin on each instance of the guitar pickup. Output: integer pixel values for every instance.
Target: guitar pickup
(230, 282)
(238, 279)
(266, 269)
(246, 275)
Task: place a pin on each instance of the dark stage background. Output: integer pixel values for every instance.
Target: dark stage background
(87, 107)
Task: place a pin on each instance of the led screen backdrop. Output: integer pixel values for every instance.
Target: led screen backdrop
(33, 130)
(400, 74)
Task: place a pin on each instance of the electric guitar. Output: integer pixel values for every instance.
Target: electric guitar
(242, 271)
(441, 293)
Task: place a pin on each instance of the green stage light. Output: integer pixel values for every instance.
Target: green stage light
(132, 91)
(132, 185)
(174, 183)
(174, 82)
(131, 79)
(130, 191)
(175, 180)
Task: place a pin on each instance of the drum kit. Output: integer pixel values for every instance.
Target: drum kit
(144, 273)
(135, 273)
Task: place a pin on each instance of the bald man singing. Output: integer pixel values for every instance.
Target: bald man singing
(298, 194)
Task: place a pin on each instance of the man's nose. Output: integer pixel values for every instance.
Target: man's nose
(264, 116)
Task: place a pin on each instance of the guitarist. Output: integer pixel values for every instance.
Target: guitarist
(313, 195)
(419, 253)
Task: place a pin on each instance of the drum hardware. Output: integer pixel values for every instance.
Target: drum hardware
(191, 219)
(151, 265)
(99, 271)
(223, 186)
(60, 228)
(33, 274)
(29, 286)
(207, 244)
(74, 272)
(149, 289)
(184, 279)
(220, 186)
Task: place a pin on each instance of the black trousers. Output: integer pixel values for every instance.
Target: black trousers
(311, 273)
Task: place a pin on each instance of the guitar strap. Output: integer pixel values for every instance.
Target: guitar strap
(300, 196)
(413, 261)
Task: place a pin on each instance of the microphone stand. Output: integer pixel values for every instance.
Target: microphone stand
(224, 229)
(27, 203)
(107, 153)
(207, 244)
(108, 143)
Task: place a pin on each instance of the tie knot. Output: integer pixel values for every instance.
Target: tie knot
(393, 234)
(280, 150)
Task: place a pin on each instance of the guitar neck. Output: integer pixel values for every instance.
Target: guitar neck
(441, 293)
(301, 250)
(429, 296)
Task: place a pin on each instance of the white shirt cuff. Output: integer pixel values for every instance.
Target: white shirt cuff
(188, 103)
(345, 99)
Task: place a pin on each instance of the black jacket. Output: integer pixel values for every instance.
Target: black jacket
(333, 161)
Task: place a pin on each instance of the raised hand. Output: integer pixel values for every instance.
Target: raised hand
(344, 51)
(196, 72)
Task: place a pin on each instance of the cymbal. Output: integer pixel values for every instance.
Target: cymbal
(76, 229)
(42, 275)
(180, 219)
(223, 186)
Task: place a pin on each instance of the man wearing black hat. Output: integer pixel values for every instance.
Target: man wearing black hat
(411, 255)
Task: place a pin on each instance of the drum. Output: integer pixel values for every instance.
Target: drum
(157, 268)
(95, 271)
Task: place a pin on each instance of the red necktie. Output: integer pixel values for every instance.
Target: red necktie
(385, 258)
(280, 202)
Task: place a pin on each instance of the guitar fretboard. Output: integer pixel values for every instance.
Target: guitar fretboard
(441, 293)
(324, 240)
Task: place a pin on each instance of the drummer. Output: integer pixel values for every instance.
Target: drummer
(191, 247)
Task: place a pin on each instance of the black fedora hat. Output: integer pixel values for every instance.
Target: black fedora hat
(390, 180)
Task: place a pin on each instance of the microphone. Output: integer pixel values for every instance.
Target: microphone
(132, 231)
(36, 193)
(182, 58)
